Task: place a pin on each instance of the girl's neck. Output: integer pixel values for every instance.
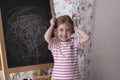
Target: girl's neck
(63, 41)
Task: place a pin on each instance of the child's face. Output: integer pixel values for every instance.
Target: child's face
(63, 32)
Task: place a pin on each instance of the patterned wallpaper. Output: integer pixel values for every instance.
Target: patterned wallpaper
(83, 9)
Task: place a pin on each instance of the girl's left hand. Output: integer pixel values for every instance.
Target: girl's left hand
(74, 18)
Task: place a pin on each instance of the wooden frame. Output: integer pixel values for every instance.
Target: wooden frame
(4, 66)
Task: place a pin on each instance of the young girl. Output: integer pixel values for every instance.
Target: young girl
(65, 48)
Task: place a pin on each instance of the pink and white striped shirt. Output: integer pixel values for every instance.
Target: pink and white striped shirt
(65, 59)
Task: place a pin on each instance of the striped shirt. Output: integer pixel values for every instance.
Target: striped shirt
(65, 59)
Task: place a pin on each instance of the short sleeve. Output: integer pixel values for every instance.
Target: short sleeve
(76, 41)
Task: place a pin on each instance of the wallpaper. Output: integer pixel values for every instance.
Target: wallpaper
(83, 9)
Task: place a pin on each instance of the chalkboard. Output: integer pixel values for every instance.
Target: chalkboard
(24, 25)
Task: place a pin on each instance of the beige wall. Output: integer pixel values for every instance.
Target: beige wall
(105, 56)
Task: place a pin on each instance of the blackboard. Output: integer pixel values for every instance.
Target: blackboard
(24, 25)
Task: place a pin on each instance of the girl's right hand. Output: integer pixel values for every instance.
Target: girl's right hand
(52, 21)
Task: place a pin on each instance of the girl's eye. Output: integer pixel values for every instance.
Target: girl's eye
(61, 29)
(68, 30)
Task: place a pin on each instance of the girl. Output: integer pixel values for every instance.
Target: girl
(65, 48)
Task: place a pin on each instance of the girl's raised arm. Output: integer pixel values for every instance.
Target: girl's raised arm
(48, 34)
(84, 36)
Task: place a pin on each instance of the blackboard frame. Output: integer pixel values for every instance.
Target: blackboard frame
(4, 64)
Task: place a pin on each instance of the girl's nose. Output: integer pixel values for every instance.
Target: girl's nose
(64, 32)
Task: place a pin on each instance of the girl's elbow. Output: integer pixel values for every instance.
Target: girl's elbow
(86, 39)
(45, 37)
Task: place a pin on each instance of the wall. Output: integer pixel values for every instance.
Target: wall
(105, 55)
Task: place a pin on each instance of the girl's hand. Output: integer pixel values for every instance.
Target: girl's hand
(75, 22)
(74, 18)
(52, 21)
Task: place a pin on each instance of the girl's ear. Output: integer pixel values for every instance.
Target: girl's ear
(55, 32)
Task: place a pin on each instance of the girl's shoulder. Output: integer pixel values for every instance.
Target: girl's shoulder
(55, 40)
(75, 38)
